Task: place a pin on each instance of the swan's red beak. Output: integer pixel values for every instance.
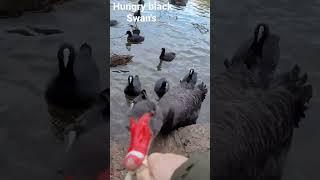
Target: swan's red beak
(140, 137)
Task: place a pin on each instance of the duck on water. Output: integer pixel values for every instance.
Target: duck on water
(177, 108)
(118, 59)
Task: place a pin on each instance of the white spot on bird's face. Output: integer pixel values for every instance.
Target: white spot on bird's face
(66, 54)
(131, 105)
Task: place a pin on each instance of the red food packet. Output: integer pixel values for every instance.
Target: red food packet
(140, 137)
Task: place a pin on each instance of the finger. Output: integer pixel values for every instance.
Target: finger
(143, 173)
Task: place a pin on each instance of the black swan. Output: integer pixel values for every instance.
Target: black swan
(134, 38)
(177, 108)
(256, 112)
(169, 56)
(161, 87)
(133, 87)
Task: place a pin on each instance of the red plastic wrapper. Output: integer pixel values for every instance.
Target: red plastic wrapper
(140, 137)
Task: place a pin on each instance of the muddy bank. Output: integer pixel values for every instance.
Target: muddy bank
(184, 141)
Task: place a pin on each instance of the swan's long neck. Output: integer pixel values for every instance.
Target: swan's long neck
(163, 52)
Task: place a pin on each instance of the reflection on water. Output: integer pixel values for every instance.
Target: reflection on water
(174, 30)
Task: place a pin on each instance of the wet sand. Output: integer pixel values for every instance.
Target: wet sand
(28, 148)
(298, 24)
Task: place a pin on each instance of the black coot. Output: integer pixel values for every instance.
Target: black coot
(161, 87)
(189, 80)
(133, 88)
(87, 74)
(137, 13)
(134, 38)
(113, 22)
(61, 90)
(141, 2)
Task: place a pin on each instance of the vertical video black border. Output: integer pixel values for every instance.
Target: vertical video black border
(107, 20)
(212, 30)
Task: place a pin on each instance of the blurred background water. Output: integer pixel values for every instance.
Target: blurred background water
(183, 30)
(29, 149)
(298, 25)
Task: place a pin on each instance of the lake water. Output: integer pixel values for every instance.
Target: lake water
(174, 30)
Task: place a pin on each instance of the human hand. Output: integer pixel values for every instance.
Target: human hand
(160, 166)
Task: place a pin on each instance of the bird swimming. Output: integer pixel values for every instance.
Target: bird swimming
(113, 22)
(169, 56)
(87, 74)
(74, 89)
(141, 2)
(133, 87)
(189, 80)
(136, 31)
(134, 38)
(179, 2)
(117, 59)
(161, 87)
(61, 90)
(137, 13)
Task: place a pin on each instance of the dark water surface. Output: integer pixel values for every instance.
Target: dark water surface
(298, 24)
(174, 30)
(28, 149)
